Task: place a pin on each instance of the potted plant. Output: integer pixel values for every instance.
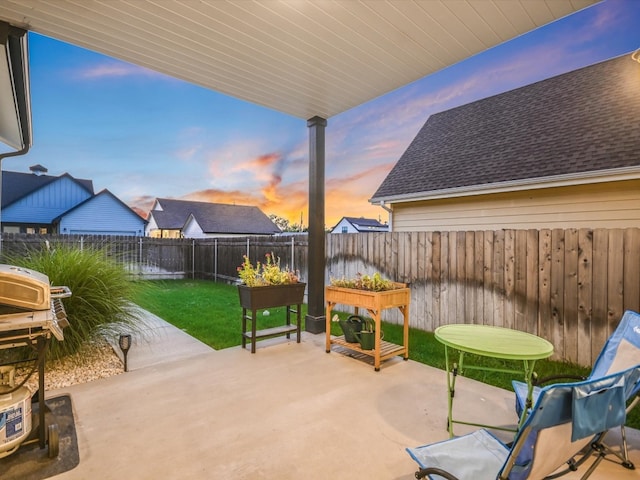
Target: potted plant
(267, 285)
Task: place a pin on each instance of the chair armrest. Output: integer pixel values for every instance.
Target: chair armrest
(423, 472)
(554, 378)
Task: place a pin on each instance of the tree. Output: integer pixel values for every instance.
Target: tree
(281, 223)
(285, 225)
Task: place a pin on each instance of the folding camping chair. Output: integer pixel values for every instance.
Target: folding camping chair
(563, 420)
(621, 351)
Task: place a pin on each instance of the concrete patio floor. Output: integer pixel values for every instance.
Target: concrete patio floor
(289, 411)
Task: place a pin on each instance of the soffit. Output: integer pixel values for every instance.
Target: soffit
(300, 57)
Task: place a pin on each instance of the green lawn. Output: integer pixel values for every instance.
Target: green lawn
(206, 310)
(211, 312)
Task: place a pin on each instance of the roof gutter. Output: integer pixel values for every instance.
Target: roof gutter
(582, 178)
(14, 84)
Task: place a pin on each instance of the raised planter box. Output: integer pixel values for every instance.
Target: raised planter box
(374, 303)
(270, 296)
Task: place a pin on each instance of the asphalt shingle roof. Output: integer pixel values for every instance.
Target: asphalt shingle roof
(214, 217)
(582, 121)
(365, 222)
(17, 185)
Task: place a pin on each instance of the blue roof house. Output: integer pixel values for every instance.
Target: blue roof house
(45, 204)
(102, 214)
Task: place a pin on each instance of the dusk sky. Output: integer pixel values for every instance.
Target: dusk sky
(144, 135)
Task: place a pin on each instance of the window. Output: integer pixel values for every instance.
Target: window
(345, 229)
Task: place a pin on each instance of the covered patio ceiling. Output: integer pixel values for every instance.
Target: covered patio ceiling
(305, 58)
(311, 59)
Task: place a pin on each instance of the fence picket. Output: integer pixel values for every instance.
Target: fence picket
(599, 314)
(631, 269)
(585, 295)
(478, 277)
(615, 279)
(570, 333)
(509, 279)
(557, 292)
(499, 290)
(488, 279)
(545, 314)
(467, 252)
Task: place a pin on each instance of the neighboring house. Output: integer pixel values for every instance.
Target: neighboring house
(115, 217)
(560, 153)
(359, 225)
(31, 201)
(45, 204)
(171, 218)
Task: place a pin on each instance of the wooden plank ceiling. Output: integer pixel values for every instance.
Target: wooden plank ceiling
(300, 57)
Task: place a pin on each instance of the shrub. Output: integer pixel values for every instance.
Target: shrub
(100, 303)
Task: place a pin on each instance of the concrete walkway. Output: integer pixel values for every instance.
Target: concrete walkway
(159, 342)
(289, 411)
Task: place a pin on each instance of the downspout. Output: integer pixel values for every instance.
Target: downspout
(390, 212)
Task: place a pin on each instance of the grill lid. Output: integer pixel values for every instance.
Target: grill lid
(24, 288)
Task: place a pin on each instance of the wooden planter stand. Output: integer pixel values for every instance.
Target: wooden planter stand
(374, 303)
(270, 296)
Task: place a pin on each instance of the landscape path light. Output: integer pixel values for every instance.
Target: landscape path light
(125, 344)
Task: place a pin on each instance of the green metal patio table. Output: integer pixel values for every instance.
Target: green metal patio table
(495, 342)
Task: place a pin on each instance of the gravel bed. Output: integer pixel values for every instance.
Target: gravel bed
(94, 361)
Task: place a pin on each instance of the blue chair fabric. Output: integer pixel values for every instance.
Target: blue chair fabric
(560, 425)
(620, 351)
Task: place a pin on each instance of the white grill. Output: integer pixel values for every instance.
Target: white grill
(29, 306)
(30, 312)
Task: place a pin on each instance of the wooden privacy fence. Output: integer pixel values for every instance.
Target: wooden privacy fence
(568, 286)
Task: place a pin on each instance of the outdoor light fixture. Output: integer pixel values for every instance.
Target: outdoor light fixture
(636, 55)
(125, 344)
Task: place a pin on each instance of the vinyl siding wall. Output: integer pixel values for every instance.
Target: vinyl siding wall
(151, 225)
(102, 215)
(604, 205)
(344, 223)
(192, 229)
(47, 203)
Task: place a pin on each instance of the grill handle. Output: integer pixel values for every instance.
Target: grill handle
(60, 292)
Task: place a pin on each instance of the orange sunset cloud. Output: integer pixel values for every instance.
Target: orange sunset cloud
(291, 201)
